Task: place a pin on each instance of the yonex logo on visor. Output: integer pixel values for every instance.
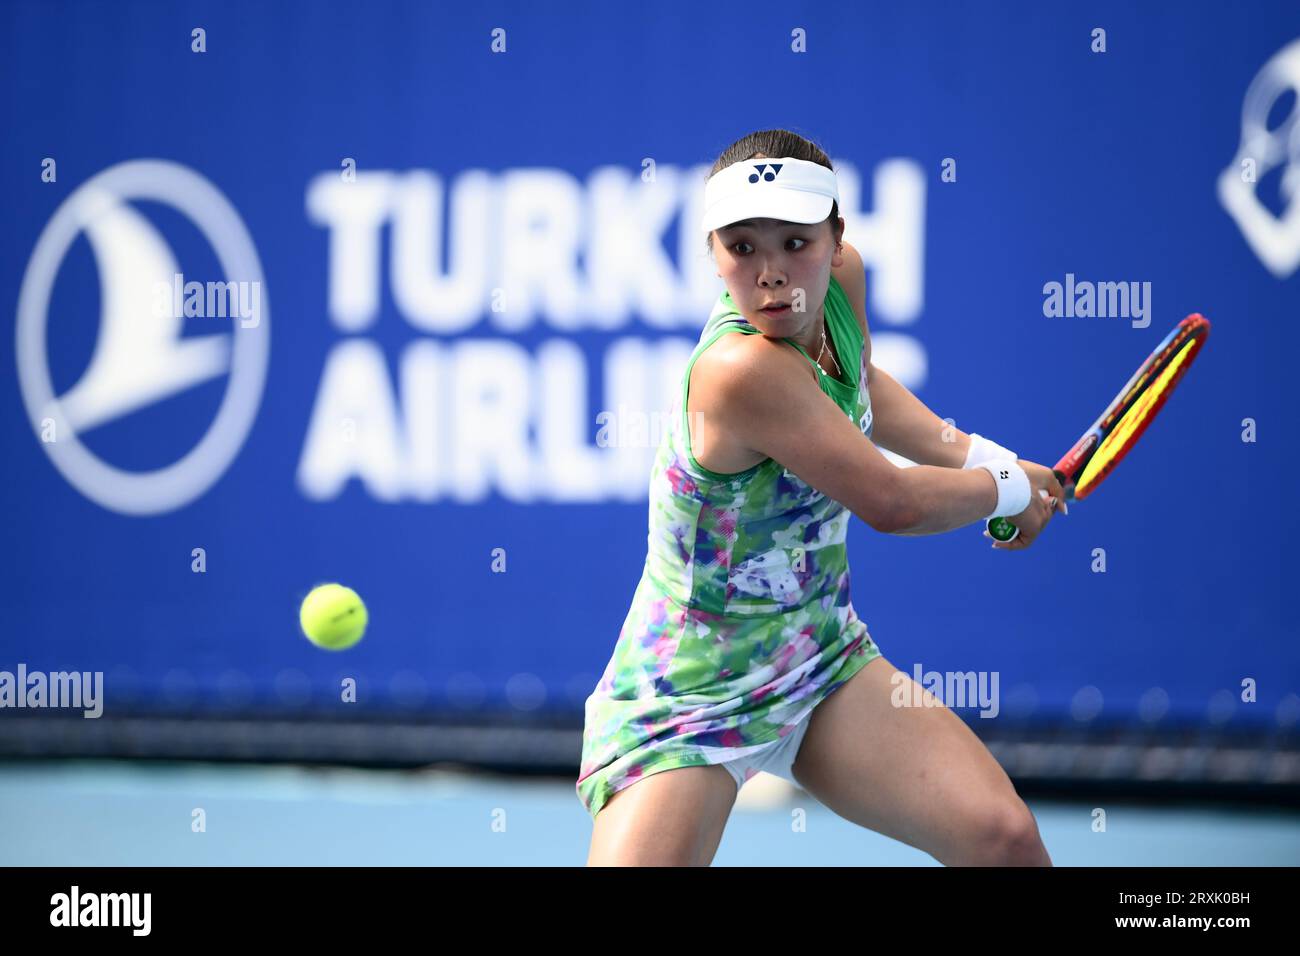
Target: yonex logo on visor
(794, 190)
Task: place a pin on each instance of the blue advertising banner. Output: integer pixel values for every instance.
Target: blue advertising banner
(398, 295)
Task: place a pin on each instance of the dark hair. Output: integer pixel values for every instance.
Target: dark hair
(775, 143)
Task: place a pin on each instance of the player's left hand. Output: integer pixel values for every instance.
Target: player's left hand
(1044, 484)
(1043, 478)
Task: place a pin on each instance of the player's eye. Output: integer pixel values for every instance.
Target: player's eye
(735, 246)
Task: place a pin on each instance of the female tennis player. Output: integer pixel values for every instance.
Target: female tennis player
(742, 651)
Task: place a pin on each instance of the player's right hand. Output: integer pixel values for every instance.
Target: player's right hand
(1046, 492)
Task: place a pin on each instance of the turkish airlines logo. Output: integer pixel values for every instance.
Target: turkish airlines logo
(140, 356)
(1274, 238)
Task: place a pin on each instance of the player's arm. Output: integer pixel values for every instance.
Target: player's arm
(904, 424)
(764, 395)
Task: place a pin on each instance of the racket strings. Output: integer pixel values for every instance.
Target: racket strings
(1133, 422)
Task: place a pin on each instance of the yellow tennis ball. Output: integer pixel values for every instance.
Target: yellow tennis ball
(333, 617)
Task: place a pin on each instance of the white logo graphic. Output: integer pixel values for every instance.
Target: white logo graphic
(139, 358)
(864, 423)
(1275, 239)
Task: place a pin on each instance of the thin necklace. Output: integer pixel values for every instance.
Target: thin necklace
(819, 354)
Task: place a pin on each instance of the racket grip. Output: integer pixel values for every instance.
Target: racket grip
(1001, 529)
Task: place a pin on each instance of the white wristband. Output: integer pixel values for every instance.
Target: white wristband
(982, 450)
(1013, 487)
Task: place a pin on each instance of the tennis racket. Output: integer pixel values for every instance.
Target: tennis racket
(1104, 445)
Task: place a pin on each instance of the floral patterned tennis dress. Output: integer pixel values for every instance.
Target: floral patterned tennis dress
(741, 622)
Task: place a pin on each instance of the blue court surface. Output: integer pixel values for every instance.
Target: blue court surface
(133, 814)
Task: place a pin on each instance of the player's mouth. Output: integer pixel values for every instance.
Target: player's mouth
(777, 309)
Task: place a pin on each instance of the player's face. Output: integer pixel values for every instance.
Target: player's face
(773, 262)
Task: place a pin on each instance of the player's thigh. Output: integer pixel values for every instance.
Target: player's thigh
(914, 773)
(669, 818)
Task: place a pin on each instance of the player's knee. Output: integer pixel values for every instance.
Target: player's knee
(1008, 836)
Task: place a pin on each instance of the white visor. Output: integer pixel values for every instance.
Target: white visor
(794, 190)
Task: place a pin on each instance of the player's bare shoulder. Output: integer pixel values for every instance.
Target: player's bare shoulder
(725, 383)
(738, 361)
